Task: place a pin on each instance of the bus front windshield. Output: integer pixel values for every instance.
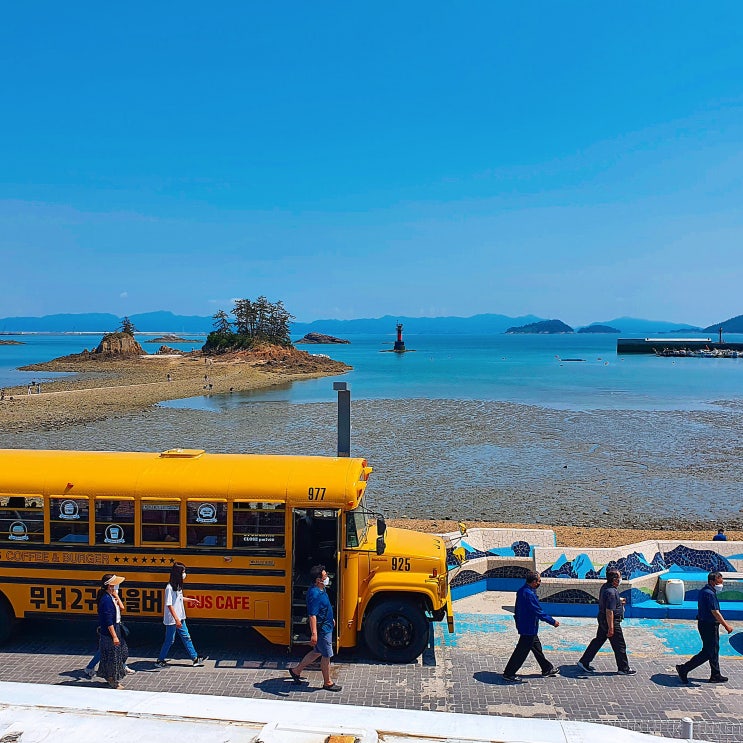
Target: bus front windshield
(357, 522)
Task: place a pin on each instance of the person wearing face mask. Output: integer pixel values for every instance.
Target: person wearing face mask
(174, 618)
(321, 621)
(113, 649)
(610, 616)
(709, 620)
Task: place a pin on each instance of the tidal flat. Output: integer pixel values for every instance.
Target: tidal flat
(475, 460)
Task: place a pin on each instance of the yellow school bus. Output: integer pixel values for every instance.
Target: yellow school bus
(248, 527)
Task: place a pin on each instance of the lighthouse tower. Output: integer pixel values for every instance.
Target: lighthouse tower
(399, 344)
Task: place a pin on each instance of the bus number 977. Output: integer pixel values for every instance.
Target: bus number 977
(316, 494)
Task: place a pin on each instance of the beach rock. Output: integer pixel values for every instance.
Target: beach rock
(119, 345)
(321, 338)
(167, 350)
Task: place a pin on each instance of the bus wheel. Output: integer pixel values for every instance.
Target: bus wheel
(396, 631)
(7, 619)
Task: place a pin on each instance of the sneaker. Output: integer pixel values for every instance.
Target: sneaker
(587, 667)
(161, 663)
(718, 679)
(628, 672)
(198, 662)
(552, 672)
(89, 672)
(683, 675)
(129, 670)
(331, 687)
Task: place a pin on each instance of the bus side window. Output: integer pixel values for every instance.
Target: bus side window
(21, 519)
(161, 521)
(258, 525)
(114, 521)
(68, 519)
(206, 524)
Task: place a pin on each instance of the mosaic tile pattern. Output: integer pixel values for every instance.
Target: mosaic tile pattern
(508, 571)
(578, 574)
(465, 577)
(704, 560)
(570, 596)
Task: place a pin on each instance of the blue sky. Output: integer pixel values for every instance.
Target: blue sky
(573, 160)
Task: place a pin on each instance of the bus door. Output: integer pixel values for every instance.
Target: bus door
(316, 538)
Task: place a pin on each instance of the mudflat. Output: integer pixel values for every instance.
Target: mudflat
(101, 387)
(662, 473)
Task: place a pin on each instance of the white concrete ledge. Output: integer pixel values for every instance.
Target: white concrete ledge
(73, 715)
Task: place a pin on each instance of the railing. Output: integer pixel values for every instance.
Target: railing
(723, 731)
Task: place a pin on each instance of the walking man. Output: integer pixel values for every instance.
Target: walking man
(709, 620)
(611, 614)
(528, 614)
(320, 616)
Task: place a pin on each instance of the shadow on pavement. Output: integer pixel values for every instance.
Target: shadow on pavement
(285, 687)
(670, 680)
(491, 677)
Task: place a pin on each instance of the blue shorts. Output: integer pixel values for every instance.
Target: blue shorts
(325, 645)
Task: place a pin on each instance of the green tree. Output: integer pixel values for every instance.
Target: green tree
(127, 326)
(255, 321)
(222, 324)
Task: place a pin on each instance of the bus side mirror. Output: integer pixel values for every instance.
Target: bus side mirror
(381, 529)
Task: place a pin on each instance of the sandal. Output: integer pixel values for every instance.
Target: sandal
(296, 678)
(332, 687)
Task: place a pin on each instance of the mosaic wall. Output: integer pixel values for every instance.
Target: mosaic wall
(574, 575)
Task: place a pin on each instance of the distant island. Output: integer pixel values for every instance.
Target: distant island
(166, 323)
(172, 339)
(544, 327)
(321, 338)
(733, 325)
(12, 343)
(599, 329)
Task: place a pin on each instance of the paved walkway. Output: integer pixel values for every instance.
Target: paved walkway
(461, 675)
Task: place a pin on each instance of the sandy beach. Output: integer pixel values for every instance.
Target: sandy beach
(590, 475)
(104, 387)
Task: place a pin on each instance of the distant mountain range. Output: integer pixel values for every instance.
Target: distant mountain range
(161, 322)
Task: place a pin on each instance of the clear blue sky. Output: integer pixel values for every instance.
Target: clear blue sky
(575, 160)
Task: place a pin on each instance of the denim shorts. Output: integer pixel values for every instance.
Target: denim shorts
(325, 645)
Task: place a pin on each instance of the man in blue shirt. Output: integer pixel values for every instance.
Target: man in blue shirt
(528, 613)
(321, 621)
(610, 616)
(709, 620)
(720, 536)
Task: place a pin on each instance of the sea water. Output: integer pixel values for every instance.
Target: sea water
(572, 372)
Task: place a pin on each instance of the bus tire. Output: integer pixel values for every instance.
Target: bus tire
(396, 631)
(7, 619)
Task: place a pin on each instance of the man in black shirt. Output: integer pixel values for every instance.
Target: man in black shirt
(611, 613)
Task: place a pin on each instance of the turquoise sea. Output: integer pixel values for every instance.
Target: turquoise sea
(573, 372)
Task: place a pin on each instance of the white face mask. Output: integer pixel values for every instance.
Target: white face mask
(326, 581)
(719, 587)
(184, 576)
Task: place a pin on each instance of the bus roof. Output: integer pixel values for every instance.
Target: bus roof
(190, 473)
